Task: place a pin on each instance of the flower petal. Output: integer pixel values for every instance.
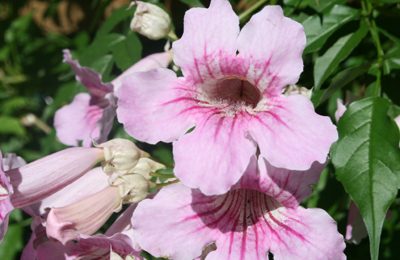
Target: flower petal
(207, 34)
(340, 109)
(41, 178)
(101, 246)
(160, 227)
(40, 247)
(305, 234)
(88, 77)
(150, 105)
(67, 223)
(79, 121)
(291, 135)
(244, 224)
(289, 188)
(150, 62)
(215, 155)
(91, 182)
(275, 43)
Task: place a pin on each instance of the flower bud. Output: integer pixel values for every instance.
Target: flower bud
(151, 21)
(146, 166)
(299, 90)
(121, 156)
(132, 187)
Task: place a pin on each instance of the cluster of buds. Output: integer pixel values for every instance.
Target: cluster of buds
(57, 187)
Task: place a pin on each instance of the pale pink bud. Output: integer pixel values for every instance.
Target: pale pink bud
(83, 217)
(41, 178)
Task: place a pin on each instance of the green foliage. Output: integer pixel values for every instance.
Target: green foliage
(329, 61)
(367, 162)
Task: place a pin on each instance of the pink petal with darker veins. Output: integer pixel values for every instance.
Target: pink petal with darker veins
(244, 224)
(276, 44)
(208, 32)
(291, 135)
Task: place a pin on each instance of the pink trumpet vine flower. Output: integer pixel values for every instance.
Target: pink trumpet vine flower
(33, 182)
(90, 116)
(117, 240)
(231, 93)
(258, 215)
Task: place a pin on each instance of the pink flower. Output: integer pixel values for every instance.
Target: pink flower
(90, 116)
(118, 240)
(249, 221)
(231, 92)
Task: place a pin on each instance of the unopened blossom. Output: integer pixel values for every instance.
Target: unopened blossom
(90, 116)
(120, 155)
(117, 241)
(294, 89)
(259, 215)
(151, 21)
(23, 185)
(230, 95)
(68, 222)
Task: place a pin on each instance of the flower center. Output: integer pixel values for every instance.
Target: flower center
(236, 91)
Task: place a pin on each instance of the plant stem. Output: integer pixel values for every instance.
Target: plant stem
(252, 8)
(373, 29)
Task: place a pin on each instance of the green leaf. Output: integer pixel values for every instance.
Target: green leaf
(192, 3)
(116, 17)
(10, 125)
(339, 81)
(127, 51)
(12, 243)
(367, 162)
(328, 62)
(317, 34)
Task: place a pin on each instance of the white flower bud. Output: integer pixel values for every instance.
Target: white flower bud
(151, 21)
(299, 90)
(121, 156)
(146, 166)
(132, 187)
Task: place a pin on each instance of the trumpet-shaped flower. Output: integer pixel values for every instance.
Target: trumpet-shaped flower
(90, 116)
(231, 93)
(249, 221)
